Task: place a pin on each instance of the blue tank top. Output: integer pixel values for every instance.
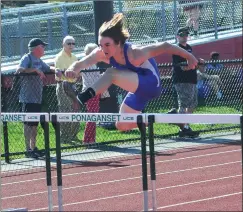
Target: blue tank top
(148, 67)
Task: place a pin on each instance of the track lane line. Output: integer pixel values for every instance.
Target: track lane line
(131, 166)
(139, 192)
(199, 200)
(120, 180)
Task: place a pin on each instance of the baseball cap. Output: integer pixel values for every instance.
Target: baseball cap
(35, 42)
(183, 31)
(212, 54)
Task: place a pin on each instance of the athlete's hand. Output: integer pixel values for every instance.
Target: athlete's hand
(192, 62)
(70, 73)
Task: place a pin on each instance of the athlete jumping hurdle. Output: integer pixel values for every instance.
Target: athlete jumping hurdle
(134, 68)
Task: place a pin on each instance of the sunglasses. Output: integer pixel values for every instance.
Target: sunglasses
(183, 34)
(71, 44)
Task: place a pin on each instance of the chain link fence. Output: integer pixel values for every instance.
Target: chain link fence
(219, 91)
(147, 21)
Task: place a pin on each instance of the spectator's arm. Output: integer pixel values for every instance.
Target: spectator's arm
(201, 68)
(23, 66)
(52, 69)
(26, 70)
(47, 68)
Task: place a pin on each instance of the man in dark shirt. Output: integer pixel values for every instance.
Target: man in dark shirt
(184, 82)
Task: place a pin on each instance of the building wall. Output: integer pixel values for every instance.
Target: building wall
(228, 49)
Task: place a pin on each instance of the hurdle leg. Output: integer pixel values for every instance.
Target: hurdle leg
(48, 161)
(142, 129)
(152, 160)
(241, 132)
(59, 162)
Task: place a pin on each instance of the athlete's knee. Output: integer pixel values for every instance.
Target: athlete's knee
(123, 126)
(110, 70)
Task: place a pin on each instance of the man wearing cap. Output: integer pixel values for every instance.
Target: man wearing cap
(184, 82)
(31, 90)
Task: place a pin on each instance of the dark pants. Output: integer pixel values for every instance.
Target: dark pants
(31, 108)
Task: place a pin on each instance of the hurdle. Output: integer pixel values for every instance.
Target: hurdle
(56, 118)
(181, 119)
(44, 119)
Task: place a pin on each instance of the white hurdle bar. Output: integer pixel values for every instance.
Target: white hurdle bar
(23, 117)
(196, 118)
(159, 118)
(97, 117)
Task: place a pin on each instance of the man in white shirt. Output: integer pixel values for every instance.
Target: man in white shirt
(92, 105)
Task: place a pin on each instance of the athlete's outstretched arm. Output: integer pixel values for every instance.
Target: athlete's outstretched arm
(94, 57)
(145, 52)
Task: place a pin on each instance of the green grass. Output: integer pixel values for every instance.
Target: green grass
(170, 129)
(17, 144)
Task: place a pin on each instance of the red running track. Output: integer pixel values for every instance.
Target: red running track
(202, 178)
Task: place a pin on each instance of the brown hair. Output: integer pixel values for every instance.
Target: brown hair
(115, 29)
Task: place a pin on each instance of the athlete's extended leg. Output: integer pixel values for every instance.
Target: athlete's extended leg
(125, 79)
(134, 103)
(125, 126)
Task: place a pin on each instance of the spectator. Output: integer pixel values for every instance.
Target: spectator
(68, 130)
(211, 81)
(207, 78)
(31, 90)
(193, 10)
(214, 56)
(184, 82)
(92, 105)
